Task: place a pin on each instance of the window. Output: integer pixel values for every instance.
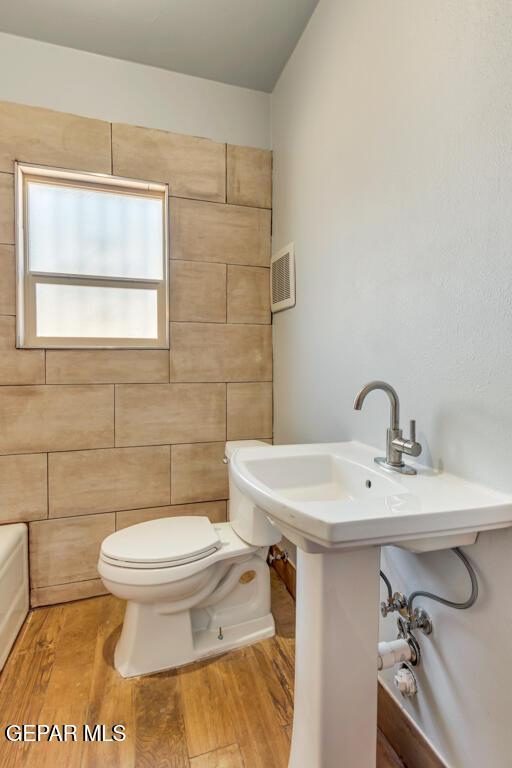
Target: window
(91, 259)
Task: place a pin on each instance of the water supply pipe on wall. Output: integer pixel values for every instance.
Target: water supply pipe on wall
(406, 648)
(417, 618)
(461, 606)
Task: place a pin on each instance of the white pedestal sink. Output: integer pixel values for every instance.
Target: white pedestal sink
(338, 507)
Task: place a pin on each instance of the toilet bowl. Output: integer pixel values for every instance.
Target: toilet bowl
(193, 589)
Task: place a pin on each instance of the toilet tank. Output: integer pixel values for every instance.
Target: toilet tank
(249, 522)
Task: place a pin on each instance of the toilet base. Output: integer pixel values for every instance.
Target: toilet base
(157, 636)
(202, 644)
(206, 644)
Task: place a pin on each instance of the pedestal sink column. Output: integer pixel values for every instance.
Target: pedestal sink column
(335, 717)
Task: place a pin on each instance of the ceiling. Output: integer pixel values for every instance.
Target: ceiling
(242, 42)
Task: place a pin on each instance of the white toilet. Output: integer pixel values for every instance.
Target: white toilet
(194, 589)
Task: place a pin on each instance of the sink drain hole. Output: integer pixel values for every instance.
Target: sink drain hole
(368, 483)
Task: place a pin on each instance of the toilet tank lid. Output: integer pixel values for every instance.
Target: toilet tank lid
(232, 446)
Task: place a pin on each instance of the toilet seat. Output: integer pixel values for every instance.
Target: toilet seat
(164, 543)
(231, 546)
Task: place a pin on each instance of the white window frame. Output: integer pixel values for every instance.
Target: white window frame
(26, 279)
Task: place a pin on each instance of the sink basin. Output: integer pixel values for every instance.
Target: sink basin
(339, 507)
(334, 496)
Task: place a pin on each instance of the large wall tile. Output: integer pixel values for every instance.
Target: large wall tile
(7, 280)
(64, 593)
(192, 167)
(107, 366)
(198, 292)
(198, 473)
(210, 352)
(53, 418)
(67, 549)
(136, 434)
(249, 176)
(249, 411)
(159, 414)
(214, 510)
(45, 137)
(6, 208)
(23, 488)
(248, 295)
(85, 482)
(18, 366)
(228, 234)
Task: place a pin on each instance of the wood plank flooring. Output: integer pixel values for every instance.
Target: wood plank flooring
(231, 712)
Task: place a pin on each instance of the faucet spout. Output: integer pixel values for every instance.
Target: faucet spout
(390, 392)
(396, 444)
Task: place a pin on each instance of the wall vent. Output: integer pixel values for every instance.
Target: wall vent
(282, 279)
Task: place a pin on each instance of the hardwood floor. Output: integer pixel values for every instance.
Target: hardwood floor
(231, 712)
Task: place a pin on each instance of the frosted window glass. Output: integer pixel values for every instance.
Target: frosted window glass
(90, 232)
(94, 311)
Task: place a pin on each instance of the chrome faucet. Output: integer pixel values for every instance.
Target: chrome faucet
(396, 444)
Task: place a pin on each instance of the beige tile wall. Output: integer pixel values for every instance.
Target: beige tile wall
(94, 440)
(8, 281)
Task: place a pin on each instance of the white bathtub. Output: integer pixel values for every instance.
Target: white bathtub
(13, 584)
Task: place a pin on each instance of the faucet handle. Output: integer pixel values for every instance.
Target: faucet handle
(408, 445)
(413, 448)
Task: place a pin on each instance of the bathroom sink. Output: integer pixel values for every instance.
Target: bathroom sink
(333, 495)
(338, 506)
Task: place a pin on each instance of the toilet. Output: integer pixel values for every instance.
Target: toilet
(193, 588)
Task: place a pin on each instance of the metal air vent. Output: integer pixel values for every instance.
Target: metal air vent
(282, 279)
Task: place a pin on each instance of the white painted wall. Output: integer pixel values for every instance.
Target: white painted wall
(45, 75)
(392, 134)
